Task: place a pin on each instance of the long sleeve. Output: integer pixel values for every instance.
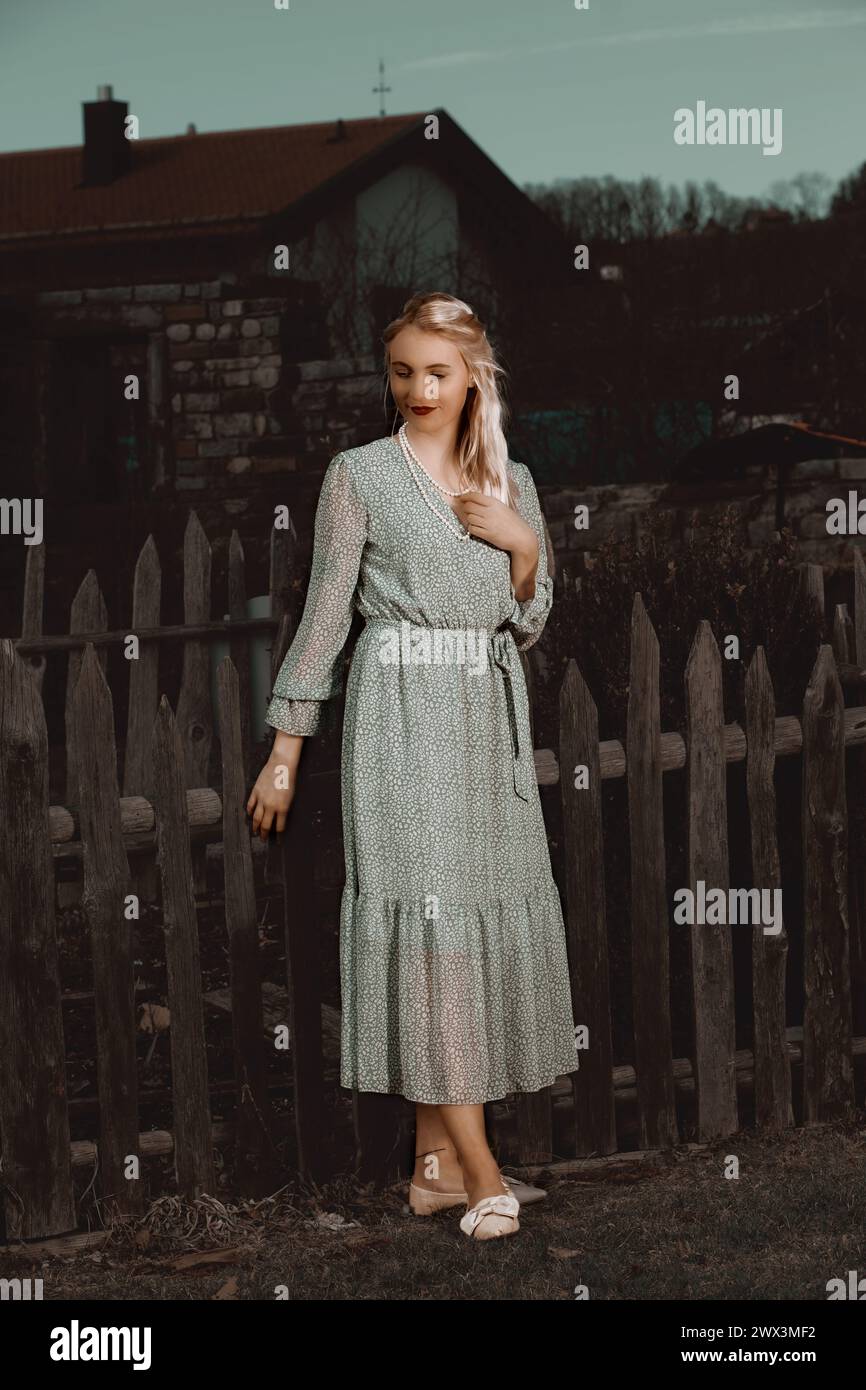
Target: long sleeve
(527, 619)
(312, 669)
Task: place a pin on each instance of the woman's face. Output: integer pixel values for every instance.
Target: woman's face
(427, 375)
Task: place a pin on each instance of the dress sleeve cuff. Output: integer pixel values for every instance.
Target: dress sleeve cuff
(302, 717)
(527, 619)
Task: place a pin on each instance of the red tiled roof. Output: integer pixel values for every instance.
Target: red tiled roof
(227, 175)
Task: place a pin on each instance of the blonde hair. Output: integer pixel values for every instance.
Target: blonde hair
(482, 450)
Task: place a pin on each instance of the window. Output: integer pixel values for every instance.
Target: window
(96, 436)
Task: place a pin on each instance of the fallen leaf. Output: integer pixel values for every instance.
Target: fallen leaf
(332, 1221)
(229, 1289)
(204, 1257)
(559, 1253)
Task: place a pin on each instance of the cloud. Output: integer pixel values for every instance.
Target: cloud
(737, 26)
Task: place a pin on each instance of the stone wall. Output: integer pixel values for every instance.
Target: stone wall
(240, 403)
(621, 511)
(240, 409)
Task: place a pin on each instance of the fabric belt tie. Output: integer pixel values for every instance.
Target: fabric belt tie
(506, 660)
(507, 657)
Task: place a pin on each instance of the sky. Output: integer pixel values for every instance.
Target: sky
(548, 91)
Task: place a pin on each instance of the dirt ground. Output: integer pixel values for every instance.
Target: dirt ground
(672, 1227)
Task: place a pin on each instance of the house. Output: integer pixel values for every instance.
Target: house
(178, 315)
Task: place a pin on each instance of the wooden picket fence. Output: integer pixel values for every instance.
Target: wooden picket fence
(165, 812)
(834, 946)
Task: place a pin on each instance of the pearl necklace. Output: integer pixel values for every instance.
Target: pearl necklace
(415, 459)
(462, 534)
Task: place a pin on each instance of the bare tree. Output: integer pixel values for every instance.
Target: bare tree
(806, 195)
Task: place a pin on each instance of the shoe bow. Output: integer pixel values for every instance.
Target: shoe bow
(503, 1205)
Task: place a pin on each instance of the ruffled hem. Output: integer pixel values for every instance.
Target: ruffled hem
(460, 1008)
(401, 1090)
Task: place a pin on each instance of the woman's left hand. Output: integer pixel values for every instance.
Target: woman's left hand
(492, 521)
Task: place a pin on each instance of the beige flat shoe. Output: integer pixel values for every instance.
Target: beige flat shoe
(424, 1202)
(491, 1218)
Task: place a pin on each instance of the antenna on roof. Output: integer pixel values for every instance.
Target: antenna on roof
(381, 89)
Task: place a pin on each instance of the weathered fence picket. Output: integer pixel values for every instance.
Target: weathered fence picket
(711, 949)
(194, 713)
(586, 931)
(856, 784)
(142, 703)
(143, 675)
(239, 651)
(650, 915)
(34, 1126)
(106, 884)
(193, 1155)
(88, 614)
(828, 1082)
(32, 608)
(773, 1107)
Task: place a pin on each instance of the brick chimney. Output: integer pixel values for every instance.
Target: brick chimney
(106, 154)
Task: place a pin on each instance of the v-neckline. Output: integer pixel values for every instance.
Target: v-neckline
(437, 498)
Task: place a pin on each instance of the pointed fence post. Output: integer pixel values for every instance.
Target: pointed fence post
(586, 927)
(650, 914)
(194, 713)
(856, 797)
(711, 951)
(106, 883)
(36, 1189)
(193, 1154)
(88, 614)
(773, 1107)
(828, 1077)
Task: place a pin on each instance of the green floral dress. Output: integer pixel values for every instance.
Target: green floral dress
(455, 986)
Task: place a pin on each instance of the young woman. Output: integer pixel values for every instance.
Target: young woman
(455, 986)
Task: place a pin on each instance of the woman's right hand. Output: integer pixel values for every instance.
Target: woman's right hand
(268, 800)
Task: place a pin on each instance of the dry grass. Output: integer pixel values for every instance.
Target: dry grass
(794, 1218)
